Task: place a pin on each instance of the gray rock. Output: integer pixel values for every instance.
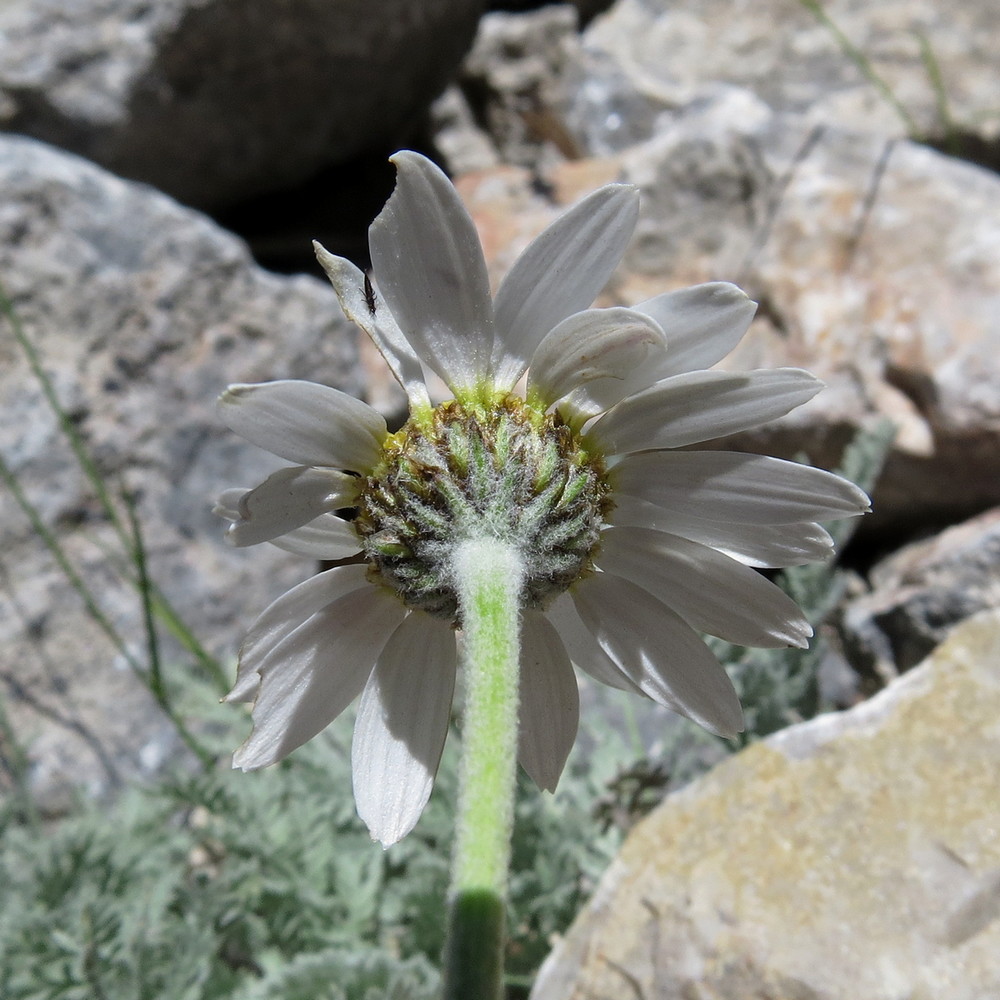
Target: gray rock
(461, 143)
(874, 266)
(586, 10)
(529, 94)
(851, 856)
(780, 51)
(639, 66)
(217, 100)
(141, 312)
(919, 593)
(514, 75)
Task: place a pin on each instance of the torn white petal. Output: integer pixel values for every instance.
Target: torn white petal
(362, 305)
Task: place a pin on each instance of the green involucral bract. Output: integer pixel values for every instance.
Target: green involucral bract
(468, 470)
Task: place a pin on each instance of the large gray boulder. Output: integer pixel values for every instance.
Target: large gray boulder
(141, 312)
(214, 101)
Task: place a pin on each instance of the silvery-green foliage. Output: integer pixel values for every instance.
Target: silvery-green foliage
(90, 910)
(222, 887)
(341, 974)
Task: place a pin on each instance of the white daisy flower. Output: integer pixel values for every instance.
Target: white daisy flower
(632, 547)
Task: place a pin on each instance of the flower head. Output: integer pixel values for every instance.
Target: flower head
(631, 546)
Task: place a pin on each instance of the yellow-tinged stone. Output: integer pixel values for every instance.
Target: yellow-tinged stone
(854, 856)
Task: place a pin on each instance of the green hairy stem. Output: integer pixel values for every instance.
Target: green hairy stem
(489, 577)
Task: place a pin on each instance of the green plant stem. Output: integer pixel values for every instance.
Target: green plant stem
(488, 578)
(15, 761)
(864, 65)
(76, 581)
(154, 677)
(933, 69)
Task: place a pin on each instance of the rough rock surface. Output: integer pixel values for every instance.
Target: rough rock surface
(875, 265)
(852, 856)
(666, 54)
(514, 76)
(876, 268)
(142, 312)
(216, 100)
(919, 593)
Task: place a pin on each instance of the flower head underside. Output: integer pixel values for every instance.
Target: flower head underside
(633, 543)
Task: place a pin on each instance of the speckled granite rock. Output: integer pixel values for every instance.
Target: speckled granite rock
(852, 856)
(142, 312)
(514, 76)
(875, 267)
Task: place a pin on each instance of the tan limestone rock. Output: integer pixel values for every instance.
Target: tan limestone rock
(857, 855)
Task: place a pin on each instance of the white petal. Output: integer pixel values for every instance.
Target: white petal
(561, 272)
(754, 545)
(289, 498)
(328, 537)
(305, 423)
(401, 726)
(430, 268)
(550, 703)
(710, 591)
(314, 673)
(699, 406)
(731, 486)
(228, 504)
(376, 320)
(245, 687)
(702, 323)
(286, 614)
(659, 651)
(593, 354)
(582, 647)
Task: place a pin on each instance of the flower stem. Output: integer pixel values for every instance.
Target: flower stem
(488, 578)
